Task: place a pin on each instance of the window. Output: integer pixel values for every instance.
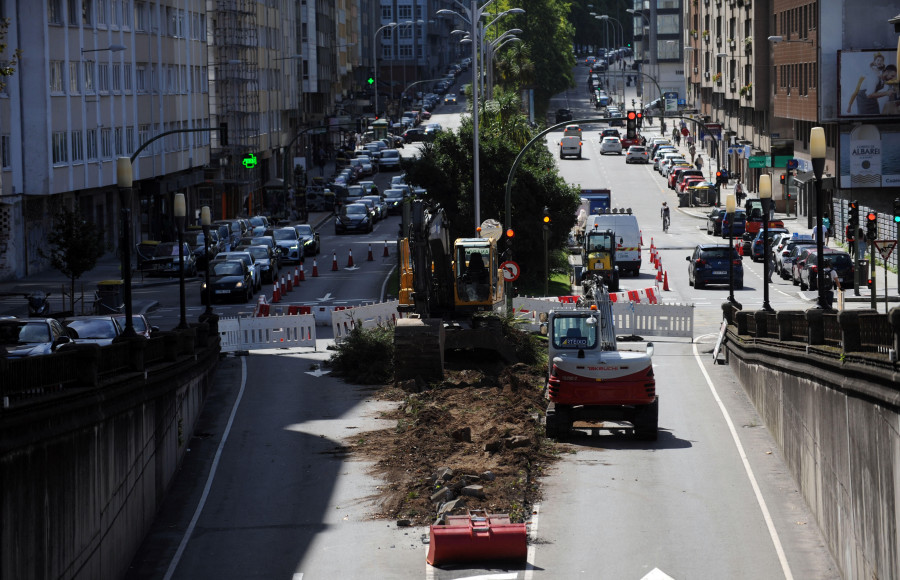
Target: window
(5, 152)
(127, 79)
(91, 144)
(117, 139)
(88, 76)
(404, 12)
(54, 11)
(182, 79)
(73, 12)
(87, 18)
(129, 140)
(77, 146)
(60, 147)
(101, 12)
(117, 78)
(140, 16)
(143, 137)
(74, 85)
(56, 76)
(103, 77)
(106, 148)
(204, 80)
(668, 24)
(404, 51)
(387, 14)
(115, 12)
(203, 27)
(154, 79)
(141, 78)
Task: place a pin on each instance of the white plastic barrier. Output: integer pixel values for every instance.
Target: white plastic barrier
(343, 319)
(267, 332)
(628, 317)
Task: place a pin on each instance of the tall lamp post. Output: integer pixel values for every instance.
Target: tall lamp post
(206, 221)
(765, 195)
(375, 52)
(180, 210)
(124, 181)
(817, 156)
(730, 206)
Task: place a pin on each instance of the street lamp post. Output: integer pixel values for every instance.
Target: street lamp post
(817, 156)
(180, 211)
(765, 194)
(206, 221)
(375, 58)
(730, 206)
(124, 180)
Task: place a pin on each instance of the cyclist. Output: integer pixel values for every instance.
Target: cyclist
(664, 214)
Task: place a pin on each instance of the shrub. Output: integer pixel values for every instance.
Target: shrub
(366, 356)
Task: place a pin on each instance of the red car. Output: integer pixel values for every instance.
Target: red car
(689, 181)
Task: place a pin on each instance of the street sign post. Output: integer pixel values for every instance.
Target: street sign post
(511, 271)
(885, 248)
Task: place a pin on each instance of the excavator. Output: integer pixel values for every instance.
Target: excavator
(442, 286)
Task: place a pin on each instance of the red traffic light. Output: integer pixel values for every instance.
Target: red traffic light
(871, 216)
(781, 179)
(632, 115)
(510, 233)
(639, 115)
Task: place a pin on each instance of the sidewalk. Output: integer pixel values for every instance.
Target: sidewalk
(13, 303)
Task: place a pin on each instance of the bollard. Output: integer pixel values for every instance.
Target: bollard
(334, 266)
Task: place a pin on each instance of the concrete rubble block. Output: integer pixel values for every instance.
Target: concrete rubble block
(442, 474)
(463, 434)
(488, 476)
(442, 495)
(456, 505)
(474, 491)
(517, 441)
(493, 446)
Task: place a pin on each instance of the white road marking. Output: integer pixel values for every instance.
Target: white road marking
(657, 574)
(212, 474)
(773, 533)
(325, 298)
(297, 576)
(532, 546)
(317, 373)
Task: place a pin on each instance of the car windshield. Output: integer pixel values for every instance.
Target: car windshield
(288, 234)
(165, 249)
(259, 252)
(228, 269)
(304, 229)
(393, 195)
(104, 328)
(356, 209)
(19, 332)
(715, 253)
(260, 241)
(839, 260)
(137, 322)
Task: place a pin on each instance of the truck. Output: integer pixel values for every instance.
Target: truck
(590, 379)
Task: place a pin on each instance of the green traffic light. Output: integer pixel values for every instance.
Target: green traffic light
(371, 81)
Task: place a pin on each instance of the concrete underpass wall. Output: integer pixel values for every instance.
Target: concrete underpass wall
(81, 480)
(838, 427)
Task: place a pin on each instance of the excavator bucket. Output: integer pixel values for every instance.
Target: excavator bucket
(477, 537)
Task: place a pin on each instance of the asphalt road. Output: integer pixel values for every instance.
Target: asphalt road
(266, 490)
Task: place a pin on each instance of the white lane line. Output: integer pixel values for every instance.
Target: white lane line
(532, 545)
(209, 479)
(773, 533)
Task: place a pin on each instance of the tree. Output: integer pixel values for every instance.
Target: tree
(548, 34)
(445, 171)
(9, 67)
(75, 245)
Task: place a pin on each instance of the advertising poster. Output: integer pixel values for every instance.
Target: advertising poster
(864, 87)
(870, 158)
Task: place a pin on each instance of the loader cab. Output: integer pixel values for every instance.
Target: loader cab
(479, 285)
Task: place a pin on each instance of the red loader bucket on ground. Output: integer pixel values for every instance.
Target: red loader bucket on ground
(477, 537)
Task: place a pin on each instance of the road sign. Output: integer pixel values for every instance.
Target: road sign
(792, 164)
(511, 271)
(885, 248)
(759, 161)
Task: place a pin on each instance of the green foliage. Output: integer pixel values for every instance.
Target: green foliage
(75, 245)
(9, 67)
(548, 34)
(445, 169)
(366, 356)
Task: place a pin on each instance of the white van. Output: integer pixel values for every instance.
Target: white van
(570, 147)
(628, 238)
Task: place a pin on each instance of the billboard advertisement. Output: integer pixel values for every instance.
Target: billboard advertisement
(864, 89)
(870, 158)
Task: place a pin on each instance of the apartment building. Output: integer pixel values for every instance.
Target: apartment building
(658, 27)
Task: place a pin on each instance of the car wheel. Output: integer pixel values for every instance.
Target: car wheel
(698, 284)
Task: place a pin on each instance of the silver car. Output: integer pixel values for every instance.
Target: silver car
(610, 145)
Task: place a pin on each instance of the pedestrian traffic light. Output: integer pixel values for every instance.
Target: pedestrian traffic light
(853, 218)
(871, 226)
(870, 283)
(631, 125)
(897, 210)
(546, 215)
(640, 120)
(370, 80)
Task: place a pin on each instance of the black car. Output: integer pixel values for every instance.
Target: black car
(32, 336)
(354, 217)
(709, 265)
(197, 241)
(309, 238)
(563, 115)
(228, 279)
(414, 134)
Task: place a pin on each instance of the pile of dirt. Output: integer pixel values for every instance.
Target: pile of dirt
(472, 442)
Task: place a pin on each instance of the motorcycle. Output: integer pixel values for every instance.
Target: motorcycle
(38, 304)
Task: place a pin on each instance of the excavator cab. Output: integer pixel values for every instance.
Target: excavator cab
(479, 281)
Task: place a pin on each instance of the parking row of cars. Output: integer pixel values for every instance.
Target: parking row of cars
(27, 337)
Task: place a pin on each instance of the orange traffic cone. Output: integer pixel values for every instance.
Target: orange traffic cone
(666, 282)
(652, 247)
(290, 283)
(349, 258)
(315, 272)
(370, 258)
(302, 274)
(276, 296)
(659, 276)
(334, 266)
(385, 254)
(297, 276)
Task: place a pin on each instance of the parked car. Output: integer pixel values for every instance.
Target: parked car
(637, 154)
(101, 330)
(248, 259)
(800, 262)
(166, 261)
(733, 226)
(197, 242)
(364, 165)
(610, 145)
(228, 279)
(269, 242)
(265, 259)
(563, 115)
(309, 238)
(414, 134)
(21, 337)
(353, 217)
(709, 264)
(757, 249)
(785, 258)
(139, 322)
(840, 261)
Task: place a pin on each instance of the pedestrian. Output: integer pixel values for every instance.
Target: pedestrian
(692, 150)
(830, 282)
(770, 257)
(739, 193)
(678, 139)
(826, 226)
(699, 163)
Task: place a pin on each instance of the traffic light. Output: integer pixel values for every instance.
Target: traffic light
(870, 283)
(850, 233)
(546, 215)
(722, 177)
(631, 125)
(510, 233)
(871, 226)
(640, 120)
(370, 80)
(782, 179)
(853, 217)
(897, 210)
